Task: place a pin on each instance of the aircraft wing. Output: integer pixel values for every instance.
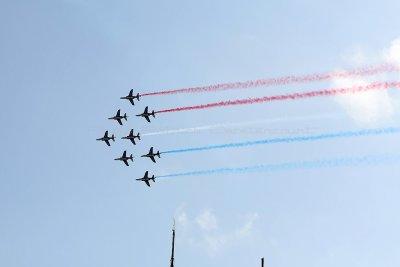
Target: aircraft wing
(131, 100)
(126, 162)
(118, 112)
(147, 182)
(119, 121)
(106, 134)
(107, 142)
(133, 141)
(147, 118)
(152, 158)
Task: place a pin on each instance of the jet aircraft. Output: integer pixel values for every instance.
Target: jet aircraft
(131, 97)
(146, 114)
(147, 179)
(106, 138)
(125, 158)
(152, 155)
(132, 137)
(118, 117)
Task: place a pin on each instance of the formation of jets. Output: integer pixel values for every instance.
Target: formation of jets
(125, 158)
(106, 138)
(146, 114)
(131, 97)
(134, 138)
(118, 117)
(151, 155)
(147, 179)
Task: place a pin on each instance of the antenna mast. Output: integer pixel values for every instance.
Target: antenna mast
(173, 246)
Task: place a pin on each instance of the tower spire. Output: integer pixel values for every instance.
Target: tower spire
(173, 245)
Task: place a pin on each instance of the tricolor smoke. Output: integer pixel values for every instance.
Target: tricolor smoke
(287, 166)
(366, 71)
(347, 134)
(294, 96)
(225, 126)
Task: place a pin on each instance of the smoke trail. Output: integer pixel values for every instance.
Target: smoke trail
(294, 96)
(287, 166)
(366, 132)
(366, 71)
(240, 124)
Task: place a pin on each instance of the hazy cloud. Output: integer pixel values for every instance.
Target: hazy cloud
(207, 221)
(367, 108)
(373, 107)
(392, 53)
(204, 231)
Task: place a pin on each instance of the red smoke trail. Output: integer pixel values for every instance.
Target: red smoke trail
(325, 92)
(366, 71)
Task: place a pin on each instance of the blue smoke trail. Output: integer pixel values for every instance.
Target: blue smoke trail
(328, 163)
(366, 132)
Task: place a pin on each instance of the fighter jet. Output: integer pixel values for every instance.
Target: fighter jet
(147, 179)
(132, 137)
(125, 158)
(106, 138)
(118, 117)
(131, 97)
(146, 114)
(152, 155)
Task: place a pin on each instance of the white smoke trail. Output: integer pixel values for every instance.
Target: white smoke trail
(224, 126)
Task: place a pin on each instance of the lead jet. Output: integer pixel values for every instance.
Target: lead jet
(152, 155)
(106, 138)
(146, 114)
(132, 137)
(131, 97)
(118, 117)
(147, 179)
(125, 158)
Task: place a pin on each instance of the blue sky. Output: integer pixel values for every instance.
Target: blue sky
(65, 202)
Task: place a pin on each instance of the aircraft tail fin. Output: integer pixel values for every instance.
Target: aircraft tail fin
(153, 179)
(125, 117)
(113, 138)
(158, 154)
(131, 157)
(138, 136)
(153, 114)
(138, 96)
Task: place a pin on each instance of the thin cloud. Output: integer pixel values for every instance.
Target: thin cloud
(207, 221)
(370, 108)
(392, 53)
(367, 108)
(203, 230)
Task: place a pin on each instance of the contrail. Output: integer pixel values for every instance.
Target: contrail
(287, 166)
(316, 77)
(294, 96)
(346, 134)
(239, 124)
